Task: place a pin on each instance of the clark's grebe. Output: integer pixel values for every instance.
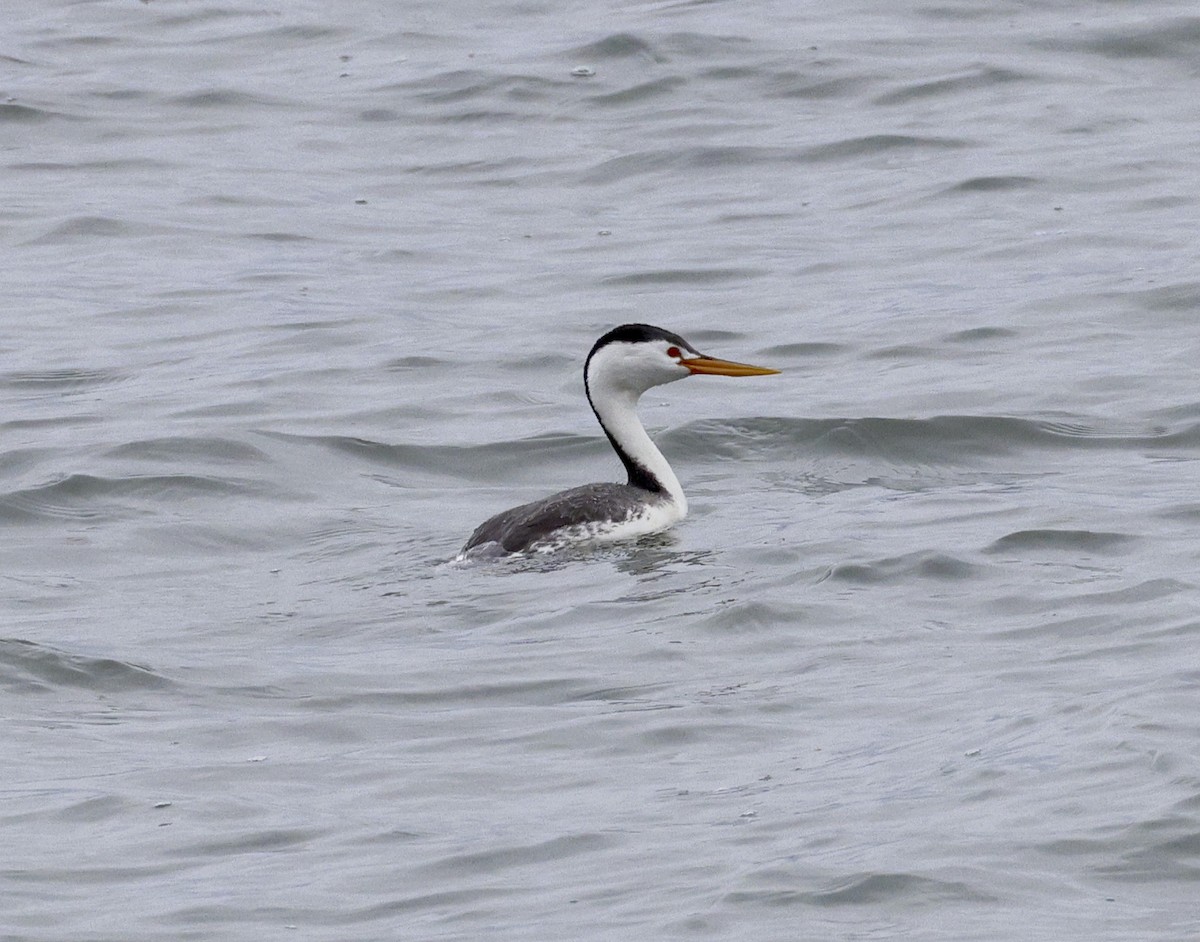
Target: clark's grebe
(622, 365)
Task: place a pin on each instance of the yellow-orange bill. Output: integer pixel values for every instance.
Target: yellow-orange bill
(713, 367)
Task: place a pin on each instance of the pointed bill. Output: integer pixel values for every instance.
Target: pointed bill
(711, 366)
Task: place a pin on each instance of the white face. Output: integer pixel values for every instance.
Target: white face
(636, 367)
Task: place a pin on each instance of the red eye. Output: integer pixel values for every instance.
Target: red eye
(674, 352)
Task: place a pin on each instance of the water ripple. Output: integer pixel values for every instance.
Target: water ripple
(1172, 39)
(902, 569)
(89, 496)
(1069, 541)
(982, 78)
(11, 113)
(861, 888)
(28, 667)
(876, 144)
(61, 380)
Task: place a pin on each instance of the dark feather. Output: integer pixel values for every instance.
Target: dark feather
(522, 527)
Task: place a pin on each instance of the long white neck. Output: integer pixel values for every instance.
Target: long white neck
(616, 408)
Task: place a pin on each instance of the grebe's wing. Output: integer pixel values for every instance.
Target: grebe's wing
(519, 529)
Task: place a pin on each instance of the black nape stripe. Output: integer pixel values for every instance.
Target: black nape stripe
(638, 476)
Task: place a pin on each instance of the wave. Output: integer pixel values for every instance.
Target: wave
(89, 496)
(902, 569)
(860, 888)
(189, 450)
(14, 113)
(1073, 541)
(27, 667)
(1170, 39)
(54, 381)
(942, 440)
(973, 81)
(707, 157)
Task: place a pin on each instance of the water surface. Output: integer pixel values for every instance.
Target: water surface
(296, 297)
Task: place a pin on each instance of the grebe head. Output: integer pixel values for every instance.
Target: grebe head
(635, 357)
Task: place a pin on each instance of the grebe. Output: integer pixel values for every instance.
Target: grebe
(622, 365)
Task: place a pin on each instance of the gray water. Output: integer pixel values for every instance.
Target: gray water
(296, 295)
